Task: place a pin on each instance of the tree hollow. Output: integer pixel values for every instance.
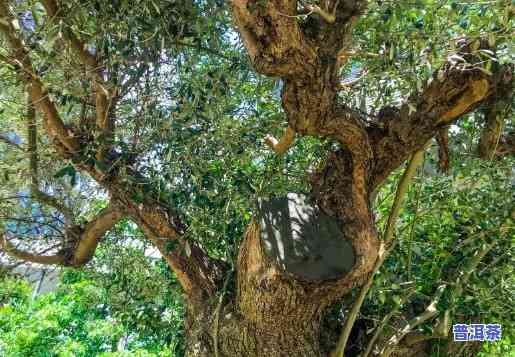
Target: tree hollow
(302, 240)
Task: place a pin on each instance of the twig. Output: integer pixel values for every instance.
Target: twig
(428, 313)
(329, 17)
(384, 322)
(431, 310)
(347, 83)
(284, 143)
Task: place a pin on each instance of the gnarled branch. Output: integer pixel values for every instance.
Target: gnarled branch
(286, 141)
(456, 89)
(92, 232)
(102, 95)
(21, 61)
(83, 241)
(273, 37)
(386, 246)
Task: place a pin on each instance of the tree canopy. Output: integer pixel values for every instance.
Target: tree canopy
(137, 140)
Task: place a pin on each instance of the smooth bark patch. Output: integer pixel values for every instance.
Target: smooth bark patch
(302, 240)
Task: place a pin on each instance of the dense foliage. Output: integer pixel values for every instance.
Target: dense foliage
(94, 314)
(192, 116)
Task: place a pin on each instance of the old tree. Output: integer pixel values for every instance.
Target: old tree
(157, 113)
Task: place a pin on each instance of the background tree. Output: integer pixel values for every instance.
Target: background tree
(152, 110)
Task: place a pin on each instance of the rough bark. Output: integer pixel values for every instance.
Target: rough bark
(272, 313)
(196, 271)
(278, 314)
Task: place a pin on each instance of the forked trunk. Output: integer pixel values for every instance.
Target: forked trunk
(295, 262)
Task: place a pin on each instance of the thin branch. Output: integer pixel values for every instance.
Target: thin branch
(506, 145)
(207, 50)
(12, 251)
(51, 201)
(495, 114)
(348, 83)
(329, 17)
(384, 322)
(402, 189)
(102, 96)
(286, 141)
(456, 89)
(93, 232)
(39, 195)
(442, 137)
(32, 134)
(431, 310)
(21, 61)
(83, 247)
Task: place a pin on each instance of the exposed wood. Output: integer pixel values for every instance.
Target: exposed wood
(286, 141)
(307, 56)
(84, 241)
(329, 17)
(476, 91)
(453, 92)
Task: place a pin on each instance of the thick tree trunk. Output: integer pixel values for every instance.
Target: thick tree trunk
(299, 257)
(271, 314)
